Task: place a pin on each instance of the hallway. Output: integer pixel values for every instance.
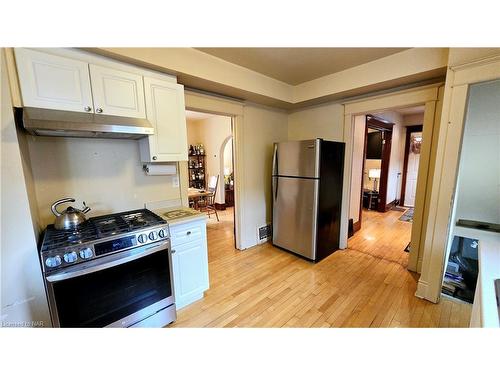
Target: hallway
(383, 236)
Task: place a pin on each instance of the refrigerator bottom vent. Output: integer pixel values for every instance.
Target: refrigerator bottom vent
(264, 233)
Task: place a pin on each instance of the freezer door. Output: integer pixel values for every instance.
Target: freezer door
(297, 158)
(295, 202)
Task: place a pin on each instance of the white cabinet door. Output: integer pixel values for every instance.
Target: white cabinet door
(54, 82)
(117, 93)
(166, 111)
(189, 262)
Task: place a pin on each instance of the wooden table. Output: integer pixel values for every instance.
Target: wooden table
(195, 194)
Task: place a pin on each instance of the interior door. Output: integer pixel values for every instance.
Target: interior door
(117, 93)
(412, 173)
(294, 214)
(53, 82)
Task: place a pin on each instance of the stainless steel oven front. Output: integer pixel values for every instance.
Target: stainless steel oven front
(132, 288)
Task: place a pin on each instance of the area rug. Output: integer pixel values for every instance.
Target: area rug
(407, 216)
(398, 208)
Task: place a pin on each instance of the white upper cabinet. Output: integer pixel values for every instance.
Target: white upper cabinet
(54, 82)
(166, 111)
(117, 93)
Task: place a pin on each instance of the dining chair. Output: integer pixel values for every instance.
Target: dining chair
(208, 204)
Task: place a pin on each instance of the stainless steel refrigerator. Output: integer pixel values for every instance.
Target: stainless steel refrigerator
(307, 196)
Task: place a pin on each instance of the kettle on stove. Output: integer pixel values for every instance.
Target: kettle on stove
(71, 217)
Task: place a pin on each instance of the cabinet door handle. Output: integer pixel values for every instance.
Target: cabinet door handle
(173, 251)
(154, 158)
(99, 110)
(87, 109)
(188, 232)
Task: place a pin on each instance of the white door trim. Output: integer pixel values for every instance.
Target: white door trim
(458, 80)
(196, 101)
(427, 95)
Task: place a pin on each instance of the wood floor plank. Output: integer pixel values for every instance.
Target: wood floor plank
(365, 285)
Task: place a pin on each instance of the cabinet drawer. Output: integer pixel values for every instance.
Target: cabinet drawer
(185, 233)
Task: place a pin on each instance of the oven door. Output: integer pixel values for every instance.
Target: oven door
(119, 290)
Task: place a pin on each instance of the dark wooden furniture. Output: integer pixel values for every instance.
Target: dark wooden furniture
(370, 199)
(196, 171)
(229, 197)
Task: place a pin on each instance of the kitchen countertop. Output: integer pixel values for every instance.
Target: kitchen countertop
(489, 270)
(179, 215)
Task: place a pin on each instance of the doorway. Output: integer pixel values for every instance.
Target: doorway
(413, 147)
(385, 167)
(211, 172)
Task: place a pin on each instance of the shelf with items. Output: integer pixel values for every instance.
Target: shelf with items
(196, 167)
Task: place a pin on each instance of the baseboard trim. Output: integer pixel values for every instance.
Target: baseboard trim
(421, 289)
(389, 205)
(356, 226)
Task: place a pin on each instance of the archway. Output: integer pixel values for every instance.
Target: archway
(222, 165)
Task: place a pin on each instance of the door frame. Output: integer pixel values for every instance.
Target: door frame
(409, 130)
(373, 122)
(429, 96)
(458, 79)
(196, 101)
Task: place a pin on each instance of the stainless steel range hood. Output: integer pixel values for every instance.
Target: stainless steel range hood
(50, 122)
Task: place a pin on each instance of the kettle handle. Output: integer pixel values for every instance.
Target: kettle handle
(85, 208)
(60, 201)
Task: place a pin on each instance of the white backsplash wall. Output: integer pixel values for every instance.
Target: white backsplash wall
(105, 173)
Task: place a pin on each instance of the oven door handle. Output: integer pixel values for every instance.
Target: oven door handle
(105, 264)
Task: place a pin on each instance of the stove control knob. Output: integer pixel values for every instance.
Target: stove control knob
(53, 261)
(86, 253)
(161, 233)
(153, 236)
(142, 238)
(70, 257)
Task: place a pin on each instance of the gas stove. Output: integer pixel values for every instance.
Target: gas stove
(100, 236)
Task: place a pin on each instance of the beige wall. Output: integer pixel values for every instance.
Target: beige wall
(325, 121)
(262, 127)
(211, 132)
(105, 173)
(413, 119)
(22, 291)
(228, 156)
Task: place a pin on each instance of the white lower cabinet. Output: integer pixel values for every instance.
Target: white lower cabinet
(189, 261)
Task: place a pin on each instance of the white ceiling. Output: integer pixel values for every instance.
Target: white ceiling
(298, 65)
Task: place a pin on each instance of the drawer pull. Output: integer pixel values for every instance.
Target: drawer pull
(188, 232)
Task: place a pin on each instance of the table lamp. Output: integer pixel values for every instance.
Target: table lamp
(375, 174)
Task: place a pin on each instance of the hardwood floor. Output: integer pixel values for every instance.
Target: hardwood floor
(366, 285)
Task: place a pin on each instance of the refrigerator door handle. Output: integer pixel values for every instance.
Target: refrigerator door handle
(275, 160)
(275, 187)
